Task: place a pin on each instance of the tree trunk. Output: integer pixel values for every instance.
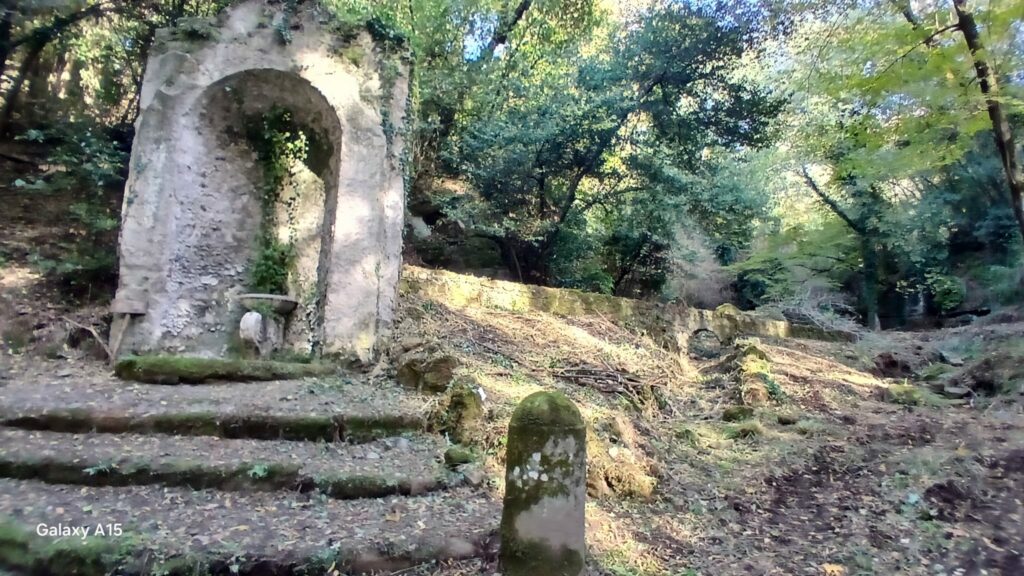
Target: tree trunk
(869, 290)
(6, 26)
(35, 49)
(1000, 125)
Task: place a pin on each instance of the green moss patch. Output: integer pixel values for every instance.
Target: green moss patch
(189, 370)
(461, 415)
(255, 426)
(737, 413)
(458, 455)
(909, 395)
(744, 431)
(243, 476)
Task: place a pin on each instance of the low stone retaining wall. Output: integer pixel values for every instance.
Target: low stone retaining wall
(669, 324)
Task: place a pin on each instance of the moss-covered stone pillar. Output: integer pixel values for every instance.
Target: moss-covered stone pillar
(542, 521)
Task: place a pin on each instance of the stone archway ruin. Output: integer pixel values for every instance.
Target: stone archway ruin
(192, 211)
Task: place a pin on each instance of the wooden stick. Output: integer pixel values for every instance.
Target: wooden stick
(94, 333)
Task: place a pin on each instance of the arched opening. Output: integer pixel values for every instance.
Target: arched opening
(704, 344)
(266, 155)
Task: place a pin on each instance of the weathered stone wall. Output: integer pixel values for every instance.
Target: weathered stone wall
(191, 214)
(670, 324)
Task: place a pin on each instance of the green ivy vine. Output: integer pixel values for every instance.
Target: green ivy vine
(278, 143)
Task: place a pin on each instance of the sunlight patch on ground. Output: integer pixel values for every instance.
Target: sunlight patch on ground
(618, 544)
(15, 277)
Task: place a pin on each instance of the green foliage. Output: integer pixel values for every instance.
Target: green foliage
(775, 391)
(259, 471)
(92, 163)
(948, 291)
(1006, 283)
(279, 143)
(583, 167)
(273, 263)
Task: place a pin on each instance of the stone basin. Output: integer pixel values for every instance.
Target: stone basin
(276, 302)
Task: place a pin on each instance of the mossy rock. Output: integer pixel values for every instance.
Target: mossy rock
(687, 435)
(753, 391)
(427, 370)
(904, 394)
(629, 481)
(704, 345)
(457, 455)
(737, 413)
(546, 410)
(191, 370)
(744, 431)
(908, 395)
(787, 419)
(607, 477)
(754, 350)
(461, 415)
(935, 372)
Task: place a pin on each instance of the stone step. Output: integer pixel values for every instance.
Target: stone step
(158, 530)
(328, 410)
(381, 468)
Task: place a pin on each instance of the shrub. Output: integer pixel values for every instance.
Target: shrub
(947, 290)
(92, 164)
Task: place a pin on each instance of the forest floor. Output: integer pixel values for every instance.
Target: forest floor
(831, 478)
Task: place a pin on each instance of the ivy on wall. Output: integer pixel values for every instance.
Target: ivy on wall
(278, 143)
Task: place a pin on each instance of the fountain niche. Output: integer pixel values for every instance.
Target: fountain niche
(265, 196)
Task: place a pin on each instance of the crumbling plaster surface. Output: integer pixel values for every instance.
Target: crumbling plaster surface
(191, 212)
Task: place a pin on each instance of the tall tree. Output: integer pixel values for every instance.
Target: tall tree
(989, 85)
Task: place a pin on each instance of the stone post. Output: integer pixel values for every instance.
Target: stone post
(542, 519)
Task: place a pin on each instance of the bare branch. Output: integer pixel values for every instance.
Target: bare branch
(832, 204)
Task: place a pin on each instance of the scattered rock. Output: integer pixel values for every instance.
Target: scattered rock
(472, 474)
(950, 358)
(956, 392)
(426, 370)
(462, 414)
(906, 395)
(737, 413)
(457, 455)
(407, 343)
(891, 365)
(787, 419)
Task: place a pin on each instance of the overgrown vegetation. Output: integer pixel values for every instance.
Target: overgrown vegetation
(279, 144)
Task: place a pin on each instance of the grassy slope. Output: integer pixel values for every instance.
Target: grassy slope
(829, 477)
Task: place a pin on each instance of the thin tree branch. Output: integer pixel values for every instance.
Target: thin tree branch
(831, 202)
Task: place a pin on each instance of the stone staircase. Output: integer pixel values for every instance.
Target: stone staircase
(316, 476)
